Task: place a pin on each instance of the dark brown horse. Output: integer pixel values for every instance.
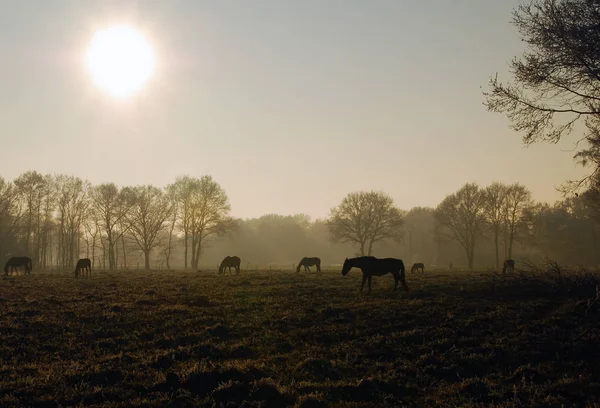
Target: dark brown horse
(418, 266)
(371, 266)
(509, 265)
(308, 262)
(229, 262)
(15, 262)
(83, 265)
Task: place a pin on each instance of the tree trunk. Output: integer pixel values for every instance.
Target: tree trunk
(370, 247)
(185, 244)
(111, 254)
(124, 253)
(471, 257)
(198, 249)
(94, 251)
(496, 233)
(147, 259)
(362, 249)
(194, 261)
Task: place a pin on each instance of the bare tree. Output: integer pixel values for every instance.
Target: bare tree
(72, 205)
(495, 205)
(109, 206)
(30, 186)
(461, 217)
(182, 192)
(518, 199)
(171, 223)
(10, 215)
(92, 235)
(364, 218)
(149, 208)
(557, 79)
(49, 196)
(209, 215)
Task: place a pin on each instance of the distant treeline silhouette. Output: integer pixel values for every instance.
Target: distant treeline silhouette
(56, 220)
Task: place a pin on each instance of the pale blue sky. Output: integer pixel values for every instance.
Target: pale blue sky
(271, 96)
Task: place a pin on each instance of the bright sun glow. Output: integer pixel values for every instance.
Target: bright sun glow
(120, 60)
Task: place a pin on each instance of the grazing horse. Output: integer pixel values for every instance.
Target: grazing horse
(417, 266)
(17, 261)
(83, 265)
(228, 262)
(371, 266)
(509, 264)
(308, 262)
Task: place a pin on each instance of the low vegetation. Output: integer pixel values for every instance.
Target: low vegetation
(277, 338)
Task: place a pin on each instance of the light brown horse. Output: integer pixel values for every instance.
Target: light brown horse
(418, 266)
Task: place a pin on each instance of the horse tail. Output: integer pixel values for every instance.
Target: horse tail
(403, 275)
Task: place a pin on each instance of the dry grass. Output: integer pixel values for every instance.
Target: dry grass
(180, 339)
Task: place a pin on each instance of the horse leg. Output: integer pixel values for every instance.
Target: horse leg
(363, 282)
(396, 278)
(403, 280)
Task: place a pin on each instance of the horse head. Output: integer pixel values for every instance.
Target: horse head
(346, 267)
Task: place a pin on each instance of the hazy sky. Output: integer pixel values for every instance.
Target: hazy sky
(288, 104)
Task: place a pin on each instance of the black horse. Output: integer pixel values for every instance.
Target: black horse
(418, 266)
(308, 262)
(83, 265)
(509, 264)
(229, 262)
(371, 266)
(16, 261)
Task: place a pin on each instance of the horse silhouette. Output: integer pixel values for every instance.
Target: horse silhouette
(15, 262)
(308, 262)
(418, 266)
(83, 265)
(509, 264)
(229, 262)
(371, 266)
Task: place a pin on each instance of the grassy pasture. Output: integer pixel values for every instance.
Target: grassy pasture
(274, 339)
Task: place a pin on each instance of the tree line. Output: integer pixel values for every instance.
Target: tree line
(55, 219)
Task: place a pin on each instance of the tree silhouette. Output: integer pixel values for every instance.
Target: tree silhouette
(557, 80)
(495, 213)
(461, 217)
(146, 215)
(364, 218)
(108, 203)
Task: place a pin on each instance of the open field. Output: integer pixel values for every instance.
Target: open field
(273, 339)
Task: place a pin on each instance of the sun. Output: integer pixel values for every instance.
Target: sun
(120, 60)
